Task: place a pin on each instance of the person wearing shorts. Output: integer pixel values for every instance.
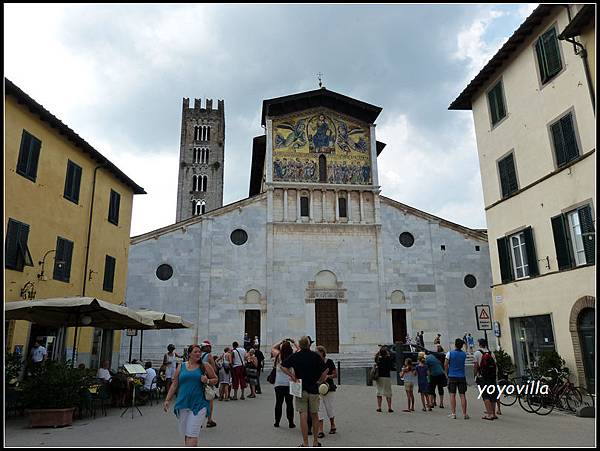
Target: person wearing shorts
(409, 375)
(384, 363)
(238, 377)
(455, 366)
(308, 366)
(437, 378)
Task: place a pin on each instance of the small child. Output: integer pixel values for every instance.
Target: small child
(422, 380)
(409, 375)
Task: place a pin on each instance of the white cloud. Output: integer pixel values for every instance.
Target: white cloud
(473, 48)
(526, 9)
(440, 172)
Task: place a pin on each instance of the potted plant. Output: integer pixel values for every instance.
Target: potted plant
(53, 391)
(504, 364)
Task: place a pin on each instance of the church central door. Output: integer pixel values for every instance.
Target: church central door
(252, 324)
(326, 313)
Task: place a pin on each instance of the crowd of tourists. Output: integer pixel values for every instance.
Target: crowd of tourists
(304, 380)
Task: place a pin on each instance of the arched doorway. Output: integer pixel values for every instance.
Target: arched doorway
(586, 326)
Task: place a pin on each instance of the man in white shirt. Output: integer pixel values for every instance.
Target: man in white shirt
(104, 372)
(38, 353)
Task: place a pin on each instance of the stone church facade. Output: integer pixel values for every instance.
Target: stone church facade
(315, 249)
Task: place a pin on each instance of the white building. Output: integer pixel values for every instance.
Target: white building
(533, 108)
(314, 250)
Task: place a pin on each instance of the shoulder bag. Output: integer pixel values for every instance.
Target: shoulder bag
(210, 392)
(273, 373)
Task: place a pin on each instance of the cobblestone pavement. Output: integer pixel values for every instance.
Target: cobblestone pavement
(250, 423)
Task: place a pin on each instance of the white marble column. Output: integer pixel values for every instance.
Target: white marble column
(362, 210)
(285, 205)
(337, 206)
(298, 206)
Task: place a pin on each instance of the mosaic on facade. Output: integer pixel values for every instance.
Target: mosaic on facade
(321, 147)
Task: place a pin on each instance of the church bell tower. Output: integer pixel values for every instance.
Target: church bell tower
(201, 159)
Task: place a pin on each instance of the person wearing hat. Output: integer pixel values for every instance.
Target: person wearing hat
(327, 392)
(207, 358)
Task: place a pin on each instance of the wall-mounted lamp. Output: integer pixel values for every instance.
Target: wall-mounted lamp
(41, 275)
(86, 320)
(28, 291)
(92, 272)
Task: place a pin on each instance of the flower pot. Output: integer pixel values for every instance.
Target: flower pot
(50, 417)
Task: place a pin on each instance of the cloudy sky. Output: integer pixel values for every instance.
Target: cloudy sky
(116, 74)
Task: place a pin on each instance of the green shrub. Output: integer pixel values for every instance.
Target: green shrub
(55, 385)
(549, 360)
(13, 363)
(503, 363)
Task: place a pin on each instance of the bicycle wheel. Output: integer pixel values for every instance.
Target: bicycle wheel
(541, 404)
(523, 403)
(507, 399)
(572, 399)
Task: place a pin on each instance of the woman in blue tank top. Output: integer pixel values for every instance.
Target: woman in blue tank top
(190, 406)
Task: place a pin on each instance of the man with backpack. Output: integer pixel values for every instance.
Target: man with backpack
(484, 370)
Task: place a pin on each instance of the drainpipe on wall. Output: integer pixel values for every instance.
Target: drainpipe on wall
(87, 249)
(586, 66)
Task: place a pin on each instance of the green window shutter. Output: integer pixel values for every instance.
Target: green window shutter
(113, 209)
(492, 102)
(531, 254)
(35, 146)
(506, 270)
(69, 181)
(109, 273)
(586, 222)
(559, 144)
(11, 245)
(552, 52)
(508, 176)
(77, 183)
(23, 160)
(570, 141)
(59, 270)
(64, 253)
(496, 102)
(561, 243)
(72, 182)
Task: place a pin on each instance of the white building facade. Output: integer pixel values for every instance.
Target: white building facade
(315, 250)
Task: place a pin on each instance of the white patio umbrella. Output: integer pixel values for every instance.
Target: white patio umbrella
(161, 320)
(75, 312)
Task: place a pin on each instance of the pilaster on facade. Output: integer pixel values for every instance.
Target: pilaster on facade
(337, 205)
(269, 152)
(285, 205)
(362, 211)
(311, 218)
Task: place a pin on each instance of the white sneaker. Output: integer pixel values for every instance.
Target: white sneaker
(452, 415)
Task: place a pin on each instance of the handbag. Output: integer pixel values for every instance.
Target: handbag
(374, 372)
(271, 376)
(210, 392)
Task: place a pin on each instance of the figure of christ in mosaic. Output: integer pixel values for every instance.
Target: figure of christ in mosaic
(321, 134)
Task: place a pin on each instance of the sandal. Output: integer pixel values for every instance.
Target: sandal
(320, 435)
(390, 411)
(486, 418)
(406, 410)
(425, 410)
(333, 431)
(378, 410)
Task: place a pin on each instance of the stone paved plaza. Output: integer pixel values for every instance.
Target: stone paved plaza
(250, 423)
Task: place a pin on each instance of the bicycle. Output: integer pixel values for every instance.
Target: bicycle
(531, 377)
(562, 394)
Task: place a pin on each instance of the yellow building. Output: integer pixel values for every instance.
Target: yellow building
(66, 226)
(534, 113)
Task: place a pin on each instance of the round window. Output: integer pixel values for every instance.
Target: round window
(406, 239)
(470, 281)
(164, 272)
(239, 237)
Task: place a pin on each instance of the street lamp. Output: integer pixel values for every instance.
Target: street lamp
(41, 275)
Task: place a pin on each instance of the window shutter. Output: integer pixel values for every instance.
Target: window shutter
(117, 207)
(109, 273)
(77, 183)
(570, 142)
(589, 236)
(559, 144)
(506, 270)
(24, 153)
(10, 246)
(539, 50)
(492, 102)
(59, 256)
(508, 176)
(531, 255)
(561, 243)
(36, 144)
(552, 53)
(68, 250)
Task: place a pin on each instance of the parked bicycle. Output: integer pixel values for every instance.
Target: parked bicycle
(561, 394)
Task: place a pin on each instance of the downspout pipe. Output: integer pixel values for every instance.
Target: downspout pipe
(89, 236)
(586, 65)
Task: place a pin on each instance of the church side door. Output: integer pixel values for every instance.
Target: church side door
(252, 324)
(326, 320)
(399, 325)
